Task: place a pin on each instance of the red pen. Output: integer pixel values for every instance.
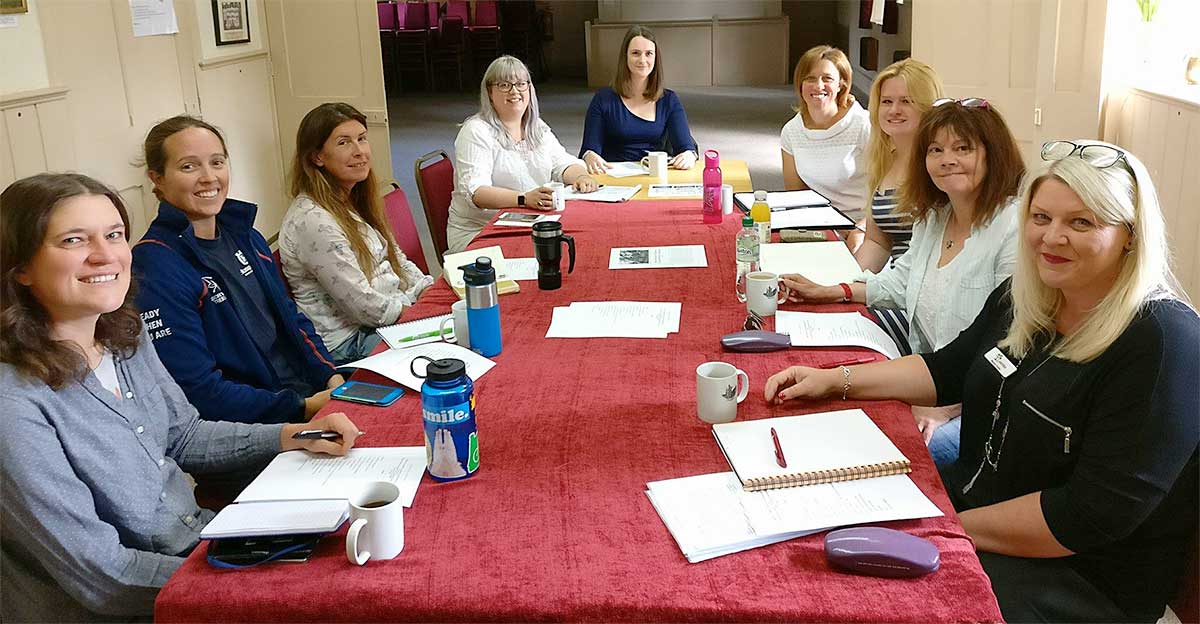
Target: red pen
(779, 458)
(861, 360)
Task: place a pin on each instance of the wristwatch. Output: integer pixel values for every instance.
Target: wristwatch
(520, 199)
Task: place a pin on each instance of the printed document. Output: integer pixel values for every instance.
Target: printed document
(615, 319)
(607, 193)
(826, 263)
(524, 219)
(785, 200)
(305, 476)
(626, 170)
(711, 515)
(835, 329)
(815, 218)
(522, 269)
(675, 191)
(394, 363)
(672, 257)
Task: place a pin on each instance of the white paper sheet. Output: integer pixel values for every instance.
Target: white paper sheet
(815, 218)
(836, 329)
(711, 515)
(675, 191)
(153, 17)
(522, 269)
(610, 193)
(626, 170)
(276, 518)
(671, 257)
(9, 21)
(300, 475)
(524, 219)
(782, 200)
(394, 363)
(827, 263)
(615, 319)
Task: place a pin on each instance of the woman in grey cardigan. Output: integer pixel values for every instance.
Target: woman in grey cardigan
(97, 510)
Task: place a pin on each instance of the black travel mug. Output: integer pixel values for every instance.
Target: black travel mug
(547, 248)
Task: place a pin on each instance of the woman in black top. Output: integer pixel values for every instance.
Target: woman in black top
(1077, 475)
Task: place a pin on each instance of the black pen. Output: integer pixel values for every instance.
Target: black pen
(318, 434)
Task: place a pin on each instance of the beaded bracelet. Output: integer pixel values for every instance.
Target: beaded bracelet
(845, 382)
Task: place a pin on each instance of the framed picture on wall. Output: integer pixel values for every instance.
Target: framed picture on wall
(231, 21)
(13, 6)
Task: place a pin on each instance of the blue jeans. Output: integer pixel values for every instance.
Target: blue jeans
(943, 446)
(356, 347)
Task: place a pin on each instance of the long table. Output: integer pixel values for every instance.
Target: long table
(556, 525)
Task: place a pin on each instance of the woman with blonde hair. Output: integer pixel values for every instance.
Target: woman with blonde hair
(636, 115)
(505, 155)
(824, 145)
(901, 94)
(339, 254)
(1077, 478)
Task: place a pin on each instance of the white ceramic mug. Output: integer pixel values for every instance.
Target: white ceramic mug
(462, 333)
(558, 196)
(726, 199)
(764, 293)
(656, 162)
(376, 523)
(717, 394)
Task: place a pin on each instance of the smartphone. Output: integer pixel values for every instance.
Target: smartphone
(371, 394)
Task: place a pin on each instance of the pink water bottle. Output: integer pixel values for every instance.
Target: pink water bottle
(712, 186)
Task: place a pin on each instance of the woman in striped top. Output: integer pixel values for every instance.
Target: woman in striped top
(901, 94)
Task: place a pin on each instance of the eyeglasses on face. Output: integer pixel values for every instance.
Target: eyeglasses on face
(507, 87)
(972, 102)
(1098, 156)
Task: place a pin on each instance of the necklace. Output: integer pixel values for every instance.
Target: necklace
(949, 243)
(989, 459)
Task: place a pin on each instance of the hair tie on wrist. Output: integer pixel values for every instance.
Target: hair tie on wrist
(849, 294)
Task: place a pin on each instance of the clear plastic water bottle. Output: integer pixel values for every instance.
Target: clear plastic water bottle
(448, 412)
(712, 187)
(747, 245)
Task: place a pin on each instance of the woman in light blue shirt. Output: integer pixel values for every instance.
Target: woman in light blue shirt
(960, 192)
(97, 512)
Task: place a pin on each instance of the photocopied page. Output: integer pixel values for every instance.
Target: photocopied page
(522, 269)
(606, 193)
(816, 218)
(675, 191)
(626, 169)
(300, 475)
(835, 329)
(784, 200)
(394, 363)
(671, 257)
(826, 263)
(615, 319)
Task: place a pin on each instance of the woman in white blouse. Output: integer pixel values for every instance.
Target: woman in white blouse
(505, 155)
(824, 145)
(960, 192)
(339, 255)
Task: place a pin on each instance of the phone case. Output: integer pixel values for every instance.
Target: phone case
(394, 393)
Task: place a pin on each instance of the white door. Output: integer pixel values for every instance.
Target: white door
(328, 51)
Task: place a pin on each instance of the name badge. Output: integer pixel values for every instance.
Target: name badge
(1000, 362)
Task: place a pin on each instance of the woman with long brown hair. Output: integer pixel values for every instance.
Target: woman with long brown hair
(339, 255)
(97, 512)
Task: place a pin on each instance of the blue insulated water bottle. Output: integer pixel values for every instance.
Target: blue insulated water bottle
(483, 306)
(448, 412)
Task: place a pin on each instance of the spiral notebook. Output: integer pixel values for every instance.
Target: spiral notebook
(416, 332)
(818, 448)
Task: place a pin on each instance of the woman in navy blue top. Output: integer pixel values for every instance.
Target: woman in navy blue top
(636, 114)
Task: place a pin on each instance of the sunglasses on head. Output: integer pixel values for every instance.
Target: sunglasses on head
(1098, 156)
(972, 102)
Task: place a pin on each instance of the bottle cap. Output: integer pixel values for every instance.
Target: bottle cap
(747, 221)
(760, 196)
(479, 273)
(447, 369)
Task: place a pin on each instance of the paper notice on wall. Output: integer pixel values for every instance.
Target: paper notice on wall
(9, 21)
(153, 17)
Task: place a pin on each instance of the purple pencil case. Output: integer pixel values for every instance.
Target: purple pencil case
(876, 551)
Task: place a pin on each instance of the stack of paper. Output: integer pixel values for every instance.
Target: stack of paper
(836, 329)
(827, 263)
(452, 269)
(394, 363)
(607, 193)
(277, 518)
(524, 219)
(615, 319)
(671, 257)
(711, 515)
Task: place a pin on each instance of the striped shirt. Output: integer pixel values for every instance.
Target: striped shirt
(897, 226)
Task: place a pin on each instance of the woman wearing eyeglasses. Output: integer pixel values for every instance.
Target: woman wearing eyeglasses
(636, 114)
(960, 193)
(505, 155)
(1078, 472)
(824, 145)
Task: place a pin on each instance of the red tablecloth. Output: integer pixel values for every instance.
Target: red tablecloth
(556, 525)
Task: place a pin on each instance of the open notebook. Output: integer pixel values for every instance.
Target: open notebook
(413, 333)
(819, 448)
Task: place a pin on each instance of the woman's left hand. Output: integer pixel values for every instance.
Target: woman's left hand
(683, 160)
(585, 184)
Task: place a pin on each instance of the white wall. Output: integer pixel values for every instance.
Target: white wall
(684, 10)
(23, 57)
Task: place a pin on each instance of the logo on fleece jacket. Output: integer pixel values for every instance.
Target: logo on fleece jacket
(215, 294)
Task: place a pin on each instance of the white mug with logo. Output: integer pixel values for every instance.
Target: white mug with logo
(764, 293)
(376, 523)
(462, 332)
(656, 162)
(717, 394)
